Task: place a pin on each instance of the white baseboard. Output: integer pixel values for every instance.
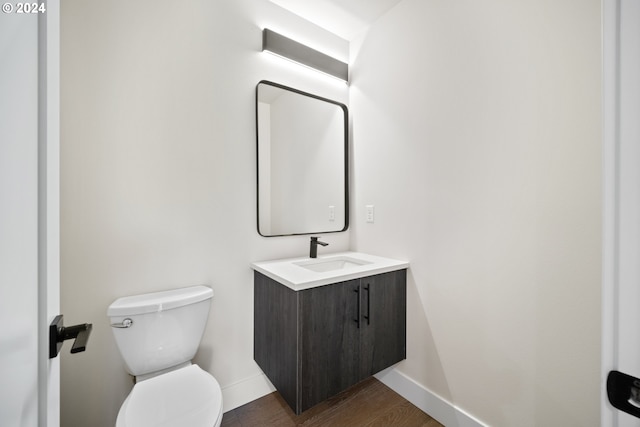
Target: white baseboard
(245, 391)
(437, 407)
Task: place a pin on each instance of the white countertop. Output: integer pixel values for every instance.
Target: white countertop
(296, 277)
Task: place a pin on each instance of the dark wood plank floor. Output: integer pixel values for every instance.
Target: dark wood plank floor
(369, 403)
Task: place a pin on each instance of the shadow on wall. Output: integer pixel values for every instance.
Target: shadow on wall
(417, 318)
(203, 357)
(510, 389)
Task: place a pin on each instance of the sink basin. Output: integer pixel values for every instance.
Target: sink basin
(306, 273)
(330, 264)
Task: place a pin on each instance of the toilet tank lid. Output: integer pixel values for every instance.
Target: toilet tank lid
(159, 301)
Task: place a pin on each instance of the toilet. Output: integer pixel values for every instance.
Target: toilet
(157, 335)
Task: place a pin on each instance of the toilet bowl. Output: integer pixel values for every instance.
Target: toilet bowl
(185, 397)
(157, 335)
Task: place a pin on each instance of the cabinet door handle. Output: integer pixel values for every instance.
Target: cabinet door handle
(357, 319)
(368, 316)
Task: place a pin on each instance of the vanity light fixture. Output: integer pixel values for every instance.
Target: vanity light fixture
(297, 52)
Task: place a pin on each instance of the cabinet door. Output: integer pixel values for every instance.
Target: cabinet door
(384, 330)
(275, 334)
(329, 341)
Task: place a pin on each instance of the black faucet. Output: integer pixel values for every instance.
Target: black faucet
(313, 250)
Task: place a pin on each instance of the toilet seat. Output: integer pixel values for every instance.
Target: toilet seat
(185, 397)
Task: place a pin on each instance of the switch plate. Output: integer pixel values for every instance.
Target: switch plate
(332, 213)
(370, 213)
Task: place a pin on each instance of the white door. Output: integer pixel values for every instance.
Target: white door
(29, 205)
(621, 267)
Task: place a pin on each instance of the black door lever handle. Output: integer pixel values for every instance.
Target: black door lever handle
(58, 334)
(624, 392)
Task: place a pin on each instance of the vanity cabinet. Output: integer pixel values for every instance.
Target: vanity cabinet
(317, 342)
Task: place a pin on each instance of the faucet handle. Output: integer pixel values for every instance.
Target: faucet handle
(315, 241)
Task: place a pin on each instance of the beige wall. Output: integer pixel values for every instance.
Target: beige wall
(476, 134)
(159, 178)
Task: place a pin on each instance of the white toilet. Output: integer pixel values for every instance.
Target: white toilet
(158, 334)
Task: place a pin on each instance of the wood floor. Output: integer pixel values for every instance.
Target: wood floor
(369, 403)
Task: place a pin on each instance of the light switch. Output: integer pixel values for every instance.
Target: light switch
(369, 213)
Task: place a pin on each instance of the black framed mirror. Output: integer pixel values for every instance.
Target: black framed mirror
(302, 152)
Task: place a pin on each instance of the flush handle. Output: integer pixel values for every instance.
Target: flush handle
(58, 334)
(126, 323)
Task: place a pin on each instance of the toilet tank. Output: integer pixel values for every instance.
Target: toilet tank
(165, 329)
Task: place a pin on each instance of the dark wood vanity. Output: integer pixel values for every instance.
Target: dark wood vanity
(314, 343)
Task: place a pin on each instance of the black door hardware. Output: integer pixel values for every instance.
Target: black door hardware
(58, 333)
(624, 392)
(368, 316)
(357, 319)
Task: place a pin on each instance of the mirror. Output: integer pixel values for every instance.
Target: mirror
(302, 162)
